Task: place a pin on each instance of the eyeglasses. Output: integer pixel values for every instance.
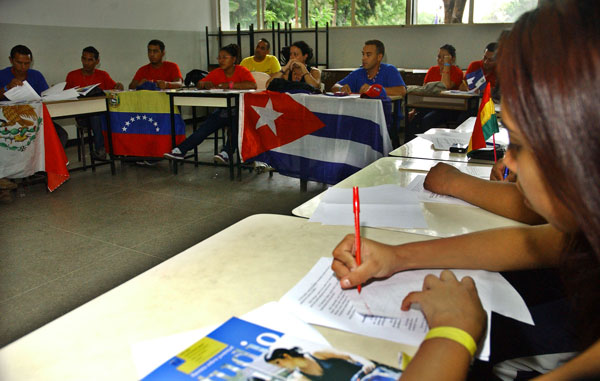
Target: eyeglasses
(223, 57)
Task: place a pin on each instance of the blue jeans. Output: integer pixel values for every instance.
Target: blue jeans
(213, 123)
(95, 123)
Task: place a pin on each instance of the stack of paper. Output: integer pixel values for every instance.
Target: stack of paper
(26, 93)
(380, 206)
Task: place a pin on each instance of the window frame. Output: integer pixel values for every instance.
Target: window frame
(304, 19)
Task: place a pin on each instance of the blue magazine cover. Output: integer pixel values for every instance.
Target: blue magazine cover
(242, 351)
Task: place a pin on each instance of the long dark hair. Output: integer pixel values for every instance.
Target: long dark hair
(549, 67)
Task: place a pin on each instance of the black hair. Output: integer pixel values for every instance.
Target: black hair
(491, 47)
(379, 47)
(303, 46)
(91, 49)
(266, 42)
(20, 49)
(279, 352)
(451, 49)
(158, 43)
(232, 49)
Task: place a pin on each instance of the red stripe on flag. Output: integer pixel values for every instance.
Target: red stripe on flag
(54, 155)
(142, 144)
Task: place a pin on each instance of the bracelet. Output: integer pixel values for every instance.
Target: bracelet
(447, 64)
(455, 334)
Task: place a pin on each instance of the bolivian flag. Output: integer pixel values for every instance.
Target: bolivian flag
(140, 122)
(486, 123)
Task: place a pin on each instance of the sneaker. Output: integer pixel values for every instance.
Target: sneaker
(146, 163)
(262, 167)
(222, 158)
(100, 154)
(175, 154)
(7, 184)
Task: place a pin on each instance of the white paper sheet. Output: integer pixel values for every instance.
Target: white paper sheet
(380, 206)
(443, 140)
(384, 297)
(24, 93)
(150, 354)
(318, 299)
(426, 196)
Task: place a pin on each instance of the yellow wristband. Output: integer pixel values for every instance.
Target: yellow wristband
(455, 334)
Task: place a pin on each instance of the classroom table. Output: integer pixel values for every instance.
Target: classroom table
(423, 149)
(443, 220)
(83, 107)
(228, 99)
(239, 269)
(442, 101)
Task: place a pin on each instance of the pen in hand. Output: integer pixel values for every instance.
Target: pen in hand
(356, 208)
(505, 173)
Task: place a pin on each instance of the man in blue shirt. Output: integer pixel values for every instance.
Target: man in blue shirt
(20, 71)
(371, 72)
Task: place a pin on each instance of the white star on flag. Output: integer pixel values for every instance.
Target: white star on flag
(149, 119)
(144, 117)
(132, 119)
(470, 80)
(157, 129)
(156, 123)
(267, 116)
(124, 128)
(127, 123)
(137, 117)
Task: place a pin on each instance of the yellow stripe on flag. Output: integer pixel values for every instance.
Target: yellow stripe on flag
(140, 101)
(486, 112)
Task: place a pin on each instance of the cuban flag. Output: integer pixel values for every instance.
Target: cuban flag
(475, 80)
(312, 137)
(141, 123)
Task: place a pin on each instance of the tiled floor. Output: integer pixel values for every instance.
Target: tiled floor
(59, 250)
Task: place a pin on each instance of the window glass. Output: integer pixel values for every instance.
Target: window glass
(283, 11)
(434, 12)
(242, 12)
(367, 12)
(501, 11)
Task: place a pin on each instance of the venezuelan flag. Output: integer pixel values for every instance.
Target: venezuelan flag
(141, 123)
(486, 123)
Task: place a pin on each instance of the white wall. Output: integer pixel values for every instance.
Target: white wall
(57, 30)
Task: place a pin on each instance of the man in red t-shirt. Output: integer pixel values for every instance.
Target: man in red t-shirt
(89, 75)
(165, 74)
(487, 64)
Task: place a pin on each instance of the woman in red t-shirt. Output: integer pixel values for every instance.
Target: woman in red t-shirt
(445, 71)
(451, 76)
(227, 76)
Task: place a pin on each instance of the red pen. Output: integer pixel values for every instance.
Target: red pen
(356, 208)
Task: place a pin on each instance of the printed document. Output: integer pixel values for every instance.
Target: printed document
(426, 196)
